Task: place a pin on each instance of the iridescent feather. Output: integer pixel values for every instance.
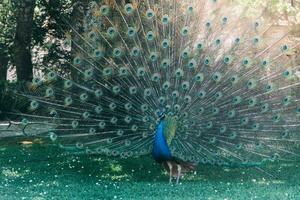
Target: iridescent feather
(223, 78)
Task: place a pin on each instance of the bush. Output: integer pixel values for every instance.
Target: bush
(9, 104)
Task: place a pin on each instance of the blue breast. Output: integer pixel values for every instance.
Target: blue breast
(160, 151)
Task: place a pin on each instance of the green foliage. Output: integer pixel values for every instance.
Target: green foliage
(6, 99)
(50, 30)
(7, 26)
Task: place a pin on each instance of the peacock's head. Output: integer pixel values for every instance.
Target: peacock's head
(160, 116)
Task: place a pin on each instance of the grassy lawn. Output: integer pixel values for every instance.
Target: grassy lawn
(38, 172)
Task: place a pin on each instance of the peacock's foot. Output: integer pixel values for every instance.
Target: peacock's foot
(178, 173)
(174, 170)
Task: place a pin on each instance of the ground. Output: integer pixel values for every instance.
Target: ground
(44, 172)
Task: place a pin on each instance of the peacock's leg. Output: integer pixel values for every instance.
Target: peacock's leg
(178, 173)
(170, 171)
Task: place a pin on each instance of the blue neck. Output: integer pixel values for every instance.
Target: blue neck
(160, 151)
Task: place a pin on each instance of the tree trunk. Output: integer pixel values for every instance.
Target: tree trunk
(22, 41)
(3, 66)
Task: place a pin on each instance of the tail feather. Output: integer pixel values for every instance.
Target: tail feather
(222, 73)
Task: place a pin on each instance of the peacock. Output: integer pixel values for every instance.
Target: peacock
(189, 82)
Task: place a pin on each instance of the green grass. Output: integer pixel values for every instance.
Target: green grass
(39, 172)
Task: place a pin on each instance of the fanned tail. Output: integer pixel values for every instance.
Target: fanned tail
(225, 76)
